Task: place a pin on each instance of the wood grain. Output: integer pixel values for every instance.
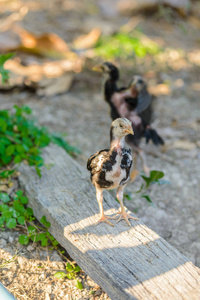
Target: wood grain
(128, 263)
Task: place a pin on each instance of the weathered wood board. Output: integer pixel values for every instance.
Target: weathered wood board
(128, 263)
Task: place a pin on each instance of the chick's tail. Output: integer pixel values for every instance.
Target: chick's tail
(151, 134)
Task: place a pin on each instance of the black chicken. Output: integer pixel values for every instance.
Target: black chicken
(110, 168)
(134, 103)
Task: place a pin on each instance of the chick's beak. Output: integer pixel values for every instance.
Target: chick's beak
(129, 130)
(98, 68)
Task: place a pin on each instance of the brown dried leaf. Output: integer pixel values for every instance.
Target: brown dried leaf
(3, 188)
(37, 76)
(48, 44)
(87, 40)
(159, 89)
(54, 86)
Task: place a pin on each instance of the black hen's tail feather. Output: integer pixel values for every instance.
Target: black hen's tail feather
(151, 134)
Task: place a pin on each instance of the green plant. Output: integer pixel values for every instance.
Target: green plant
(125, 45)
(21, 139)
(72, 271)
(154, 177)
(4, 73)
(15, 213)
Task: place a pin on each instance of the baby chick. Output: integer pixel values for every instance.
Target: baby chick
(110, 168)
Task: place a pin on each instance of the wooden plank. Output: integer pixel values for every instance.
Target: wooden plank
(128, 263)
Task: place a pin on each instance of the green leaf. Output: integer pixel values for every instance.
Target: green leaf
(31, 229)
(19, 207)
(11, 223)
(141, 187)
(4, 207)
(42, 236)
(60, 275)
(24, 239)
(10, 150)
(17, 159)
(38, 171)
(4, 197)
(44, 242)
(24, 200)
(127, 196)
(2, 148)
(153, 177)
(15, 213)
(3, 125)
(20, 149)
(2, 220)
(79, 285)
(21, 220)
(45, 222)
(29, 211)
(70, 275)
(7, 173)
(35, 237)
(69, 268)
(7, 214)
(77, 269)
(147, 198)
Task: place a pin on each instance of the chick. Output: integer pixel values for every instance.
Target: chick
(110, 168)
(134, 103)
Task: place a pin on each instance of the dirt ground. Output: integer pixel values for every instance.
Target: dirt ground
(174, 77)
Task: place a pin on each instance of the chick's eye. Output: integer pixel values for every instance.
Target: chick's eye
(120, 125)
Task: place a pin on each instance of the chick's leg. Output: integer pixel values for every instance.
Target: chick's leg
(123, 214)
(103, 217)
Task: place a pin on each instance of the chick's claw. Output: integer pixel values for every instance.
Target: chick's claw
(105, 219)
(124, 215)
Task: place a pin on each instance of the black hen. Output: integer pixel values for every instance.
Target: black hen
(134, 103)
(110, 168)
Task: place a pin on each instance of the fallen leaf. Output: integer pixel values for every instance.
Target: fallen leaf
(160, 89)
(3, 188)
(88, 40)
(47, 44)
(54, 86)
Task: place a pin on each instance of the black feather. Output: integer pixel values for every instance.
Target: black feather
(151, 134)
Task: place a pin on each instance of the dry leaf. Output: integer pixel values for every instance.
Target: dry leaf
(54, 86)
(87, 40)
(3, 188)
(49, 78)
(159, 89)
(48, 44)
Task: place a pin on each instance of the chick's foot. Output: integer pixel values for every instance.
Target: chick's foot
(124, 215)
(104, 218)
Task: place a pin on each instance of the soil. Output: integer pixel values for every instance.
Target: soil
(84, 116)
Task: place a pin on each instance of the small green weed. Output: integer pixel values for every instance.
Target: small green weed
(4, 73)
(72, 271)
(15, 213)
(123, 45)
(21, 139)
(154, 177)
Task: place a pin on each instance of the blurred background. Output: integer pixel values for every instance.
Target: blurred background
(57, 42)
